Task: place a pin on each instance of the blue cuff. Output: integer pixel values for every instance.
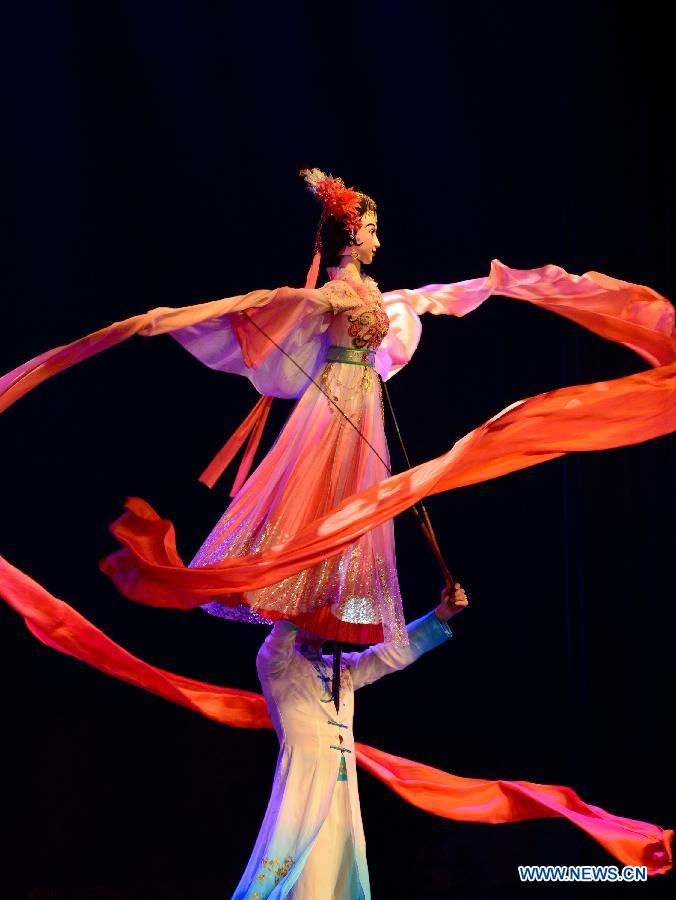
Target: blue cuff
(445, 627)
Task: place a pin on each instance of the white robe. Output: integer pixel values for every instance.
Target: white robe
(311, 844)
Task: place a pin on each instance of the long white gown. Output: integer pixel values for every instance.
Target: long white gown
(311, 844)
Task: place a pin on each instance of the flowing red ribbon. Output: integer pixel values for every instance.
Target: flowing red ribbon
(252, 428)
(61, 627)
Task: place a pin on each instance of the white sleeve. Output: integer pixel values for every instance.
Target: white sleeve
(277, 650)
(382, 659)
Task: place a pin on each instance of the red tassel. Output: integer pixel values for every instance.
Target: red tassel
(252, 446)
(252, 428)
(313, 271)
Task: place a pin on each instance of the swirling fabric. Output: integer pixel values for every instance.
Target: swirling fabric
(59, 626)
(593, 416)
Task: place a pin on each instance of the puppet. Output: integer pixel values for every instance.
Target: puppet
(321, 348)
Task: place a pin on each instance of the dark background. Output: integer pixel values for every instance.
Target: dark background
(151, 157)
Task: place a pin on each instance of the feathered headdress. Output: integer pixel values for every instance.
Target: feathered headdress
(338, 201)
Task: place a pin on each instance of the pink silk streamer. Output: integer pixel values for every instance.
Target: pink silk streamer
(61, 627)
(630, 314)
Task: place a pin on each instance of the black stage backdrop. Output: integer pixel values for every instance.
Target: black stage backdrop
(151, 158)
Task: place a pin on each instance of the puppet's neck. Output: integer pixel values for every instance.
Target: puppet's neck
(348, 268)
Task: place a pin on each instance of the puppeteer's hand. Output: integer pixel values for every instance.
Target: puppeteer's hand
(451, 603)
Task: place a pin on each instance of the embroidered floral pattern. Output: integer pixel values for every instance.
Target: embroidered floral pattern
(275, 869)
(369, 323)
(368, 328)
(340, 295)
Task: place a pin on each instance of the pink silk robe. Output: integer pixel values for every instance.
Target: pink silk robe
(332, 445)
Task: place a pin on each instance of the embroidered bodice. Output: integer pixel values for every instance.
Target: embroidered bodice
(360, 319)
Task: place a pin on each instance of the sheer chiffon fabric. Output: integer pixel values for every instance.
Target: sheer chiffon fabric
(333, 445)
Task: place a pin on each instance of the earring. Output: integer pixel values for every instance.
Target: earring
(355, 253)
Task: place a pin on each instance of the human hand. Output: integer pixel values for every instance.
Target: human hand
(451, 602)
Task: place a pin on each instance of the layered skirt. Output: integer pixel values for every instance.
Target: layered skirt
(332, 445)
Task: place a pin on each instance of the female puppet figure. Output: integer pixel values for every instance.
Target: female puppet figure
(333, 444)
(311, 844)
(309, 535)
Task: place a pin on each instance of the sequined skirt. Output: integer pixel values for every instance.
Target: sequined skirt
(332, 445)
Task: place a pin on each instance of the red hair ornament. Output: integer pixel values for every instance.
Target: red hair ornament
(338, 201)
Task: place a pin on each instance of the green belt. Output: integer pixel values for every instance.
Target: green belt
(351, 355)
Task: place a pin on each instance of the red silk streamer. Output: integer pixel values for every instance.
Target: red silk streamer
(254, 440)
(580, 417)
(530, 431)
(148, 568)
(251, 427)
(61, 627)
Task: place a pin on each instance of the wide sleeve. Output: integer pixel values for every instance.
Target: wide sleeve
(631, 314)
(424, 634)
(278, 344)
(402, 338)
(277, 649)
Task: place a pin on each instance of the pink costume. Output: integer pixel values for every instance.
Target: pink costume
(318, 459)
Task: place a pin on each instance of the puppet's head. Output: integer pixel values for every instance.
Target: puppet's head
(347, 224)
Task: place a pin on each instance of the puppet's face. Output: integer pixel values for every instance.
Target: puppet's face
(366, 239)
